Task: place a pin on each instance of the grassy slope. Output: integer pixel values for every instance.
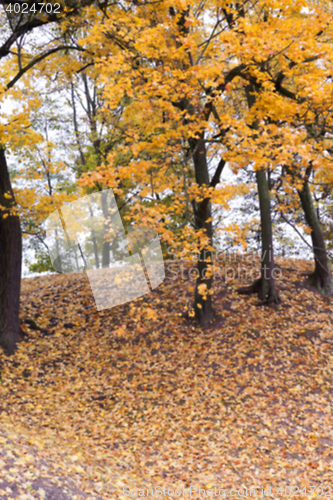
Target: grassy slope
(139, 396)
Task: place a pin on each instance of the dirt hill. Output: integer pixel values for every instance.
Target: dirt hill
(140, 397)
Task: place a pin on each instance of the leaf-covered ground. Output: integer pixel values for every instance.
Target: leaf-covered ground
(138, 396)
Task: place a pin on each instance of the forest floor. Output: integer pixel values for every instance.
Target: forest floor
(95, 404)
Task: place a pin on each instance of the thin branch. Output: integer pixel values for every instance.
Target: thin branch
(216, 178)
(295, 229)
(207, 42)
(37, 22)
(85, 67)
(38, 59)
(299, 234)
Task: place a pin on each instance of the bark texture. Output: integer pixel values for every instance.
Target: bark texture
(202, 213)
(10, 263)
(322, 277)
(265, 286)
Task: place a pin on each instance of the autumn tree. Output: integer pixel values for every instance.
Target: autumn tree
(166, 124)
(192, 85)
(177, 64)
(17, 59)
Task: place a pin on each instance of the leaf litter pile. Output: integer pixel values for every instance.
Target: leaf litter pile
(139, 396)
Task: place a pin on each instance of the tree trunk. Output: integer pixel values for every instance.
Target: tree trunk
(322, 277)
(266, 287)
(10, 263)
(202, 213)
